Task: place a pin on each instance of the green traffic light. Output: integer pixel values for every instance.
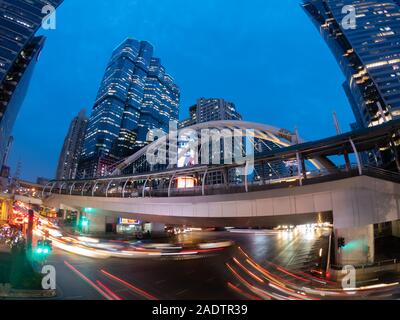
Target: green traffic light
(43, 247)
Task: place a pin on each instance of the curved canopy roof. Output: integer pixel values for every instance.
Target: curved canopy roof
(279, 136)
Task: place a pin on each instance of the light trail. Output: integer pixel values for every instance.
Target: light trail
(108, 290)
(97, 249)
(248, 284)
(240, 291)
(87, 280)
(130, 286)
(277, 282)
(248, 271)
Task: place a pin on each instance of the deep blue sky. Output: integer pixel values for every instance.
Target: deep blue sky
(265, 56)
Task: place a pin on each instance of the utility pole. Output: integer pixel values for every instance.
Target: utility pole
(298, 159)
(29, 232)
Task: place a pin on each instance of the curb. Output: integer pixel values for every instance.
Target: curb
(15, 294)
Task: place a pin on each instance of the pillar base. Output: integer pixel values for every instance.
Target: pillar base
(359, 246)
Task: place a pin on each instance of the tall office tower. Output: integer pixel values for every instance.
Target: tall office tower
(135, 96)
(72, 148)
(19, 50)
(8, 150)
(160, 102)
(368, 53)
(211, 110)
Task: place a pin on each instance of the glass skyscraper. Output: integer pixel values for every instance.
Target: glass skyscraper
(135, 96)
(19, 50)
(368, 53)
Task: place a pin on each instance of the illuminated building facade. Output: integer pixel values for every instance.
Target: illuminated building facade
(213, 109)
(135, 96)
(19, 51)
(367, 52)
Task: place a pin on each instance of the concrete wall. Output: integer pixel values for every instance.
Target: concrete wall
(355, 202)
(97, 223)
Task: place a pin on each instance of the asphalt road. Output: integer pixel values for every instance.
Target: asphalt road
(204, 278)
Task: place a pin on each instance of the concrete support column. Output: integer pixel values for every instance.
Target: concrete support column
(359, 246)
(157, 229)
(303, 168)
(347, 160)
(396, 228)
(78, 218)
(395, 152)
(62, 214)
(225, 173)
(263, 173)
(97, 222)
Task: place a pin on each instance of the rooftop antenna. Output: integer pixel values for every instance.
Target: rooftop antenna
(15, 180)
(18, 170)
(336, 123)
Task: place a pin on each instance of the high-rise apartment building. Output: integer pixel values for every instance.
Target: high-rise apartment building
(213, 109)
(72, 148)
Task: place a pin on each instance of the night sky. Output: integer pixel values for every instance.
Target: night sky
(265, 56)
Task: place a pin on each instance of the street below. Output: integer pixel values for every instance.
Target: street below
(202, 276)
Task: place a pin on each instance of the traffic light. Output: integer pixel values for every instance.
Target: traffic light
(341, 242)
(44, 247)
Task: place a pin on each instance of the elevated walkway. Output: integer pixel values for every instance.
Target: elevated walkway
(347, 202)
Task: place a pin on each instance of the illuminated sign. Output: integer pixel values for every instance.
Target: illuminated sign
(186, 182)
(128, 221)
(186, 155)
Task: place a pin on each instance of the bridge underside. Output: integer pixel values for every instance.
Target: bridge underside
(242, 222)
(238, 222)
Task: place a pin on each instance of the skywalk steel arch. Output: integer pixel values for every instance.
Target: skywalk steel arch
(279, 136)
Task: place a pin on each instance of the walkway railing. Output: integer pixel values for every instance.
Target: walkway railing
(166, 185)
(382, 174)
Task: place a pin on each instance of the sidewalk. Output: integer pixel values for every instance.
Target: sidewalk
(5, 263)
(4, 249)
